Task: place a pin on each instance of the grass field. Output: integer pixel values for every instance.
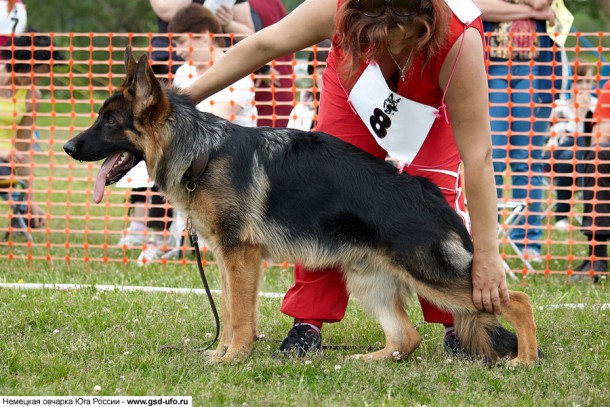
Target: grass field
(67, 342)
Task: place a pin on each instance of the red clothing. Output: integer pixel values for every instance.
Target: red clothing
(321, 295)
(274, 105)
(602, 110)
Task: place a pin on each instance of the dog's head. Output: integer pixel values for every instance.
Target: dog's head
(127, 123)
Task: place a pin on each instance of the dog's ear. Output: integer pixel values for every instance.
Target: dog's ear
(149, 95)
(130, 67)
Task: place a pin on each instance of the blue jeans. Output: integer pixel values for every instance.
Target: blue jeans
(526, 150)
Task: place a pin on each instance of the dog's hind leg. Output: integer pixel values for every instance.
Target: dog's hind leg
(520, 315)
(243, 271)
(381, 296)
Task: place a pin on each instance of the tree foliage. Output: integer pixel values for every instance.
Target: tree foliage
(137, 15)
(91, 15)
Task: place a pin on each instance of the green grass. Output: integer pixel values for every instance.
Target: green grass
(66, 342)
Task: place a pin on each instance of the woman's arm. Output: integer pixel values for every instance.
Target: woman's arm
(307, 25)
(236, 20)
(500, 10)
(166, 9)
(467, 104)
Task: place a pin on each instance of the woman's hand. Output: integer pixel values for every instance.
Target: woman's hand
(538, 4)
(489, 289)
(224, 14)
(12, 155)
(545, 13)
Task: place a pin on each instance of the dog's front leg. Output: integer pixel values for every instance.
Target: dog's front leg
(243, 271)
(225, 315)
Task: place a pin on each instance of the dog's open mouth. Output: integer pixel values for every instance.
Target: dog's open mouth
(112, 170)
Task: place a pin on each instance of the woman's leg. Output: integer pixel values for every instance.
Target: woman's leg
(563, 180)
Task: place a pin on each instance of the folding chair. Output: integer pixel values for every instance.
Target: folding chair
(19, 210)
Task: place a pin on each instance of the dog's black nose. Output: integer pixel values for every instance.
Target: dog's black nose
(70, 147)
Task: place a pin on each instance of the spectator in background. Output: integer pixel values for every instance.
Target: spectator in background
(596, 219)
(13, 19)
(304, 114)
(572, 128)
(234, 103)
(274, 93)
(22, 71)
(236, 20)
(528, 67)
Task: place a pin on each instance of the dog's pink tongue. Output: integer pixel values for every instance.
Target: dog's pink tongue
(100, 179)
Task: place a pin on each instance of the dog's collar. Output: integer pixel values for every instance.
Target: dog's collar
(196, 171)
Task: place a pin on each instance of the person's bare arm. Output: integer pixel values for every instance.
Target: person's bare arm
(236, 20)
(500, 10)
(308, 24)
(166, 9)
(467, 104)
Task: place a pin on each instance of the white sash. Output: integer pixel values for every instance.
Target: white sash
(398, 124)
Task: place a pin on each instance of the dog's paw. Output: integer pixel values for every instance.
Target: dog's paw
(522, 362)
(380, 355)
(216, 353)
(234, 356)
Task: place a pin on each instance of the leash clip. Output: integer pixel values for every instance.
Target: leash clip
(190, 186)
(190, 230)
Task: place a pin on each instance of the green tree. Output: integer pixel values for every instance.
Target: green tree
(91, 15)
(291, 4)
(137, 15)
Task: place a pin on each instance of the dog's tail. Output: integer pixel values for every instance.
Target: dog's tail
(482, 335)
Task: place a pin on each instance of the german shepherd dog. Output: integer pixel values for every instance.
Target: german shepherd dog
(306, 197)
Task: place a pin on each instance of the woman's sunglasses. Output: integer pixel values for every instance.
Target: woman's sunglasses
(375, 8)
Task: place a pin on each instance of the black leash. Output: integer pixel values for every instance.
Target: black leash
(194, 242)
(190, 178)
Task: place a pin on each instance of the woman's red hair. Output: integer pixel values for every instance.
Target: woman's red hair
(365, 38)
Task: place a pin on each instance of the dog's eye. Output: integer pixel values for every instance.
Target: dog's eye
(110, 121)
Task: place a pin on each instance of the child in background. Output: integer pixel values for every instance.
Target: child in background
(304, 113)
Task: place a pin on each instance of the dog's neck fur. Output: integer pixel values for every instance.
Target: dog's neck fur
(186, 151)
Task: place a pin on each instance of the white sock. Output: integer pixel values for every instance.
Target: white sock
(315, 328)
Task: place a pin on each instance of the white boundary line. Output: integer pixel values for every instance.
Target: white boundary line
(67, 287)
(601, 307)
(199, 291)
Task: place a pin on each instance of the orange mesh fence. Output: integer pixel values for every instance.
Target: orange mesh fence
(77, 231)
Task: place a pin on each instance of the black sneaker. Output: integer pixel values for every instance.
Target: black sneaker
(300, 340)
(453, 346)
(585, 267)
